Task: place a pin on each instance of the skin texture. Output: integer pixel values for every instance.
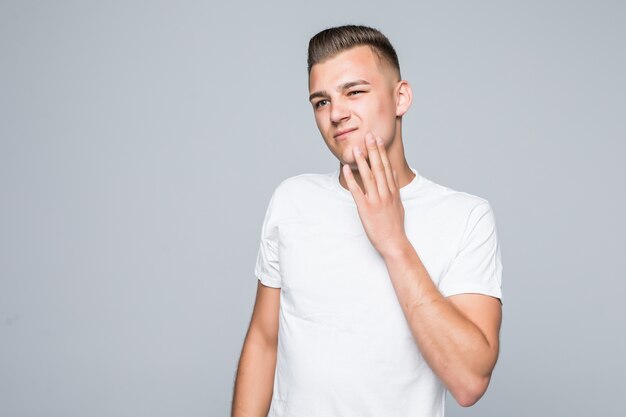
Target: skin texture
(458, 336)
(254, 383)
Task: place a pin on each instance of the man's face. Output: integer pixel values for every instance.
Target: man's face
(353, 93)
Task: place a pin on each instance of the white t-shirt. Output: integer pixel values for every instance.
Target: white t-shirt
(344, 346)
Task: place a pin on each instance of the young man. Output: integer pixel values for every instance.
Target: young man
(378, 289)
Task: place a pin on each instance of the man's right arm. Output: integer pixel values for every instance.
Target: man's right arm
(254, 382)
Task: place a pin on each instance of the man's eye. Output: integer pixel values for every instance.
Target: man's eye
(351, 93)
(321, 103)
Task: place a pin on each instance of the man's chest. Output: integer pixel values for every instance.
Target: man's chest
(327, 262)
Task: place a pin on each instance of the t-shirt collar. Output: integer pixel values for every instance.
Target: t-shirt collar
(406, 192)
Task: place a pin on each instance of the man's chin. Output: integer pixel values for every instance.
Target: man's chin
(348, 158)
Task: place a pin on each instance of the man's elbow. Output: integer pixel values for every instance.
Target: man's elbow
(472, 391)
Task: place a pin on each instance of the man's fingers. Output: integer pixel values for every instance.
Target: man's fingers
(391, 183)
(353, 186)
(376, 165)
(369, 183)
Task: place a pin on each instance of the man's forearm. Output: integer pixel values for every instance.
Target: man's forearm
(454, 347)
(255, 380)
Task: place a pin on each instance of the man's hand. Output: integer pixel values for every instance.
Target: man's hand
(380, 207)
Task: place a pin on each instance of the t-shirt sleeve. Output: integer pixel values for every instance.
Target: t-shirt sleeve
(477, 266)
(267, 268)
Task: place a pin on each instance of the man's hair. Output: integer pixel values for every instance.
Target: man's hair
(329, 42)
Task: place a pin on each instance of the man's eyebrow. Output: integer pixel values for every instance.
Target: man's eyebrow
(318, 94)
(342, 87)
(352, 84)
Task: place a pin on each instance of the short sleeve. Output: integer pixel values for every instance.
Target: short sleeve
(267, 268)
(477, 266)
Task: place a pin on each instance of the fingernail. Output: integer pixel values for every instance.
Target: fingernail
(369, 139)
(379, 140)
(357, 150)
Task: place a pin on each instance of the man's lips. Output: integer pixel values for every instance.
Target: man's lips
(342, 133)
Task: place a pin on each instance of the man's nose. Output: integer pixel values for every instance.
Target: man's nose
(339, 111)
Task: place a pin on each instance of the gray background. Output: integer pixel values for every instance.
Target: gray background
(141, 141)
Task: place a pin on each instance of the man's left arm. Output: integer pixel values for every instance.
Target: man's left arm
(458, 336)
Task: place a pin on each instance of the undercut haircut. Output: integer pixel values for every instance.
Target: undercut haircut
(329, 42)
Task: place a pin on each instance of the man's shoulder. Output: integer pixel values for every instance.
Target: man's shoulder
(302, 192)
(304, 184)
(457, 200)
(306, 178)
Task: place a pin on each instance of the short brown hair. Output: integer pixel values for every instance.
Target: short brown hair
(329, 42)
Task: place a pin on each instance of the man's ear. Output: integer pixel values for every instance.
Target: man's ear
(404, 97)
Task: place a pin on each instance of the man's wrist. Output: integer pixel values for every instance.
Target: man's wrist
(399, 251)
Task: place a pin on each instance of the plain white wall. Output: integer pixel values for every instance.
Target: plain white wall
(140, 142)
